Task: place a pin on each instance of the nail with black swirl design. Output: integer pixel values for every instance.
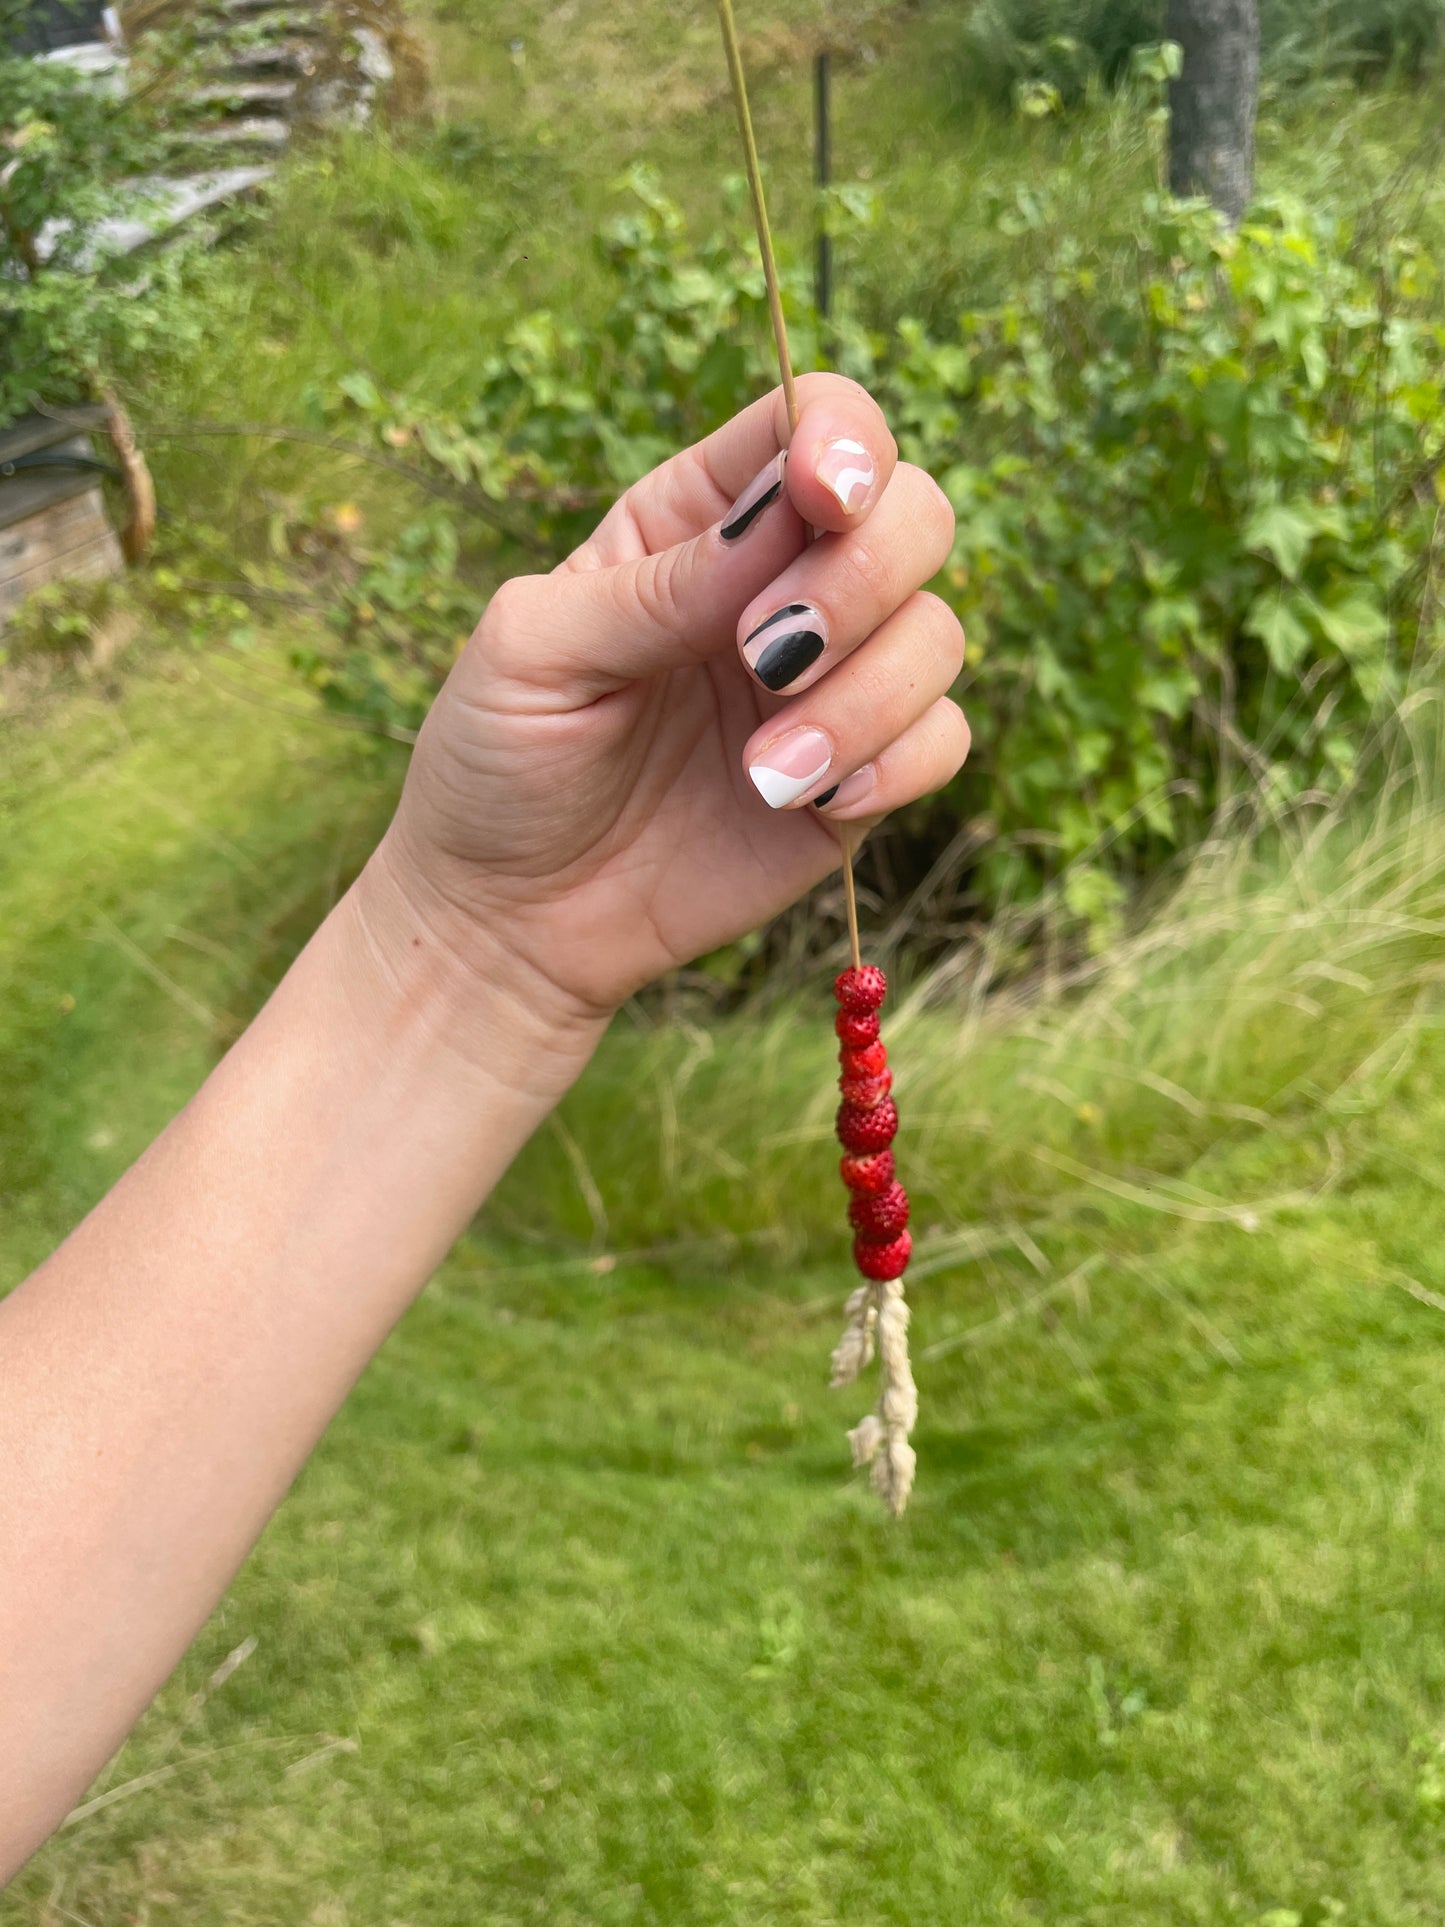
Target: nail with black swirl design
(759, 494)
(787, 644)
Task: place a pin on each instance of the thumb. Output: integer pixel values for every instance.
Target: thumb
(598, 626)
(597, 629)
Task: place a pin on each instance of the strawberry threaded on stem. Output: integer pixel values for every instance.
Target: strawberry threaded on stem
(878, 1212)
(881, 1217)
(866, 1093)
(867, 1062)
(866, 1175)
(861, 989)
(873, 1129)
(877, 1315)
(856, 1028)
(882, 1260)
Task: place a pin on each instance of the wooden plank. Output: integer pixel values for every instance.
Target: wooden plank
(275, 22)
(30, 490)
(239, 9)
(53, 23)
(93, 562)
(33, 432)
(278, 95)
(67, 540)
(172, 201)
(254, 131)
(61, 526)
(291, 58)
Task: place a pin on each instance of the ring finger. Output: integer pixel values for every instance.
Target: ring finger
(866, 703)
(829, 601)
(927, 755)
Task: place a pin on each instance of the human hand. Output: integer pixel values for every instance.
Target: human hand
(628, 764)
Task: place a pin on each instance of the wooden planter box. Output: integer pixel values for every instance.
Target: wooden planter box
(53, 524)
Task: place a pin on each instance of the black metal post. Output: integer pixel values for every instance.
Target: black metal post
(822, 169)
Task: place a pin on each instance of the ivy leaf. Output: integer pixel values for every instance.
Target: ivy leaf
(1284, 534)
(1354, 625)
(1275, 620)
(361, 389)
(1168, 693)
(1316, 362)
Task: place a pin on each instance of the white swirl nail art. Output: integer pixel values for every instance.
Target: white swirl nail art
(842, 477)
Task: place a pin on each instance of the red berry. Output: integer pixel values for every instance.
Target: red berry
(861, 989)
(874, 1130)
(856, 1027)
(866, 1092)
(866, 1062)
(883, 1261)
(867, 1176)
(879, 1219)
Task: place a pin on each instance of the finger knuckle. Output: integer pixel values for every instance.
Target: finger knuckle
(510, 620)
(821, 382)
(871, 575)
(655, 590)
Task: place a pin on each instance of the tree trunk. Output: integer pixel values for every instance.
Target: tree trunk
(1212, 103)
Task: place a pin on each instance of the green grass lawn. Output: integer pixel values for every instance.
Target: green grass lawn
(578, 1616)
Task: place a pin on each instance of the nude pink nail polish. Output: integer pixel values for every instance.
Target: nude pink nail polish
(760, 493)
(785, 770)
(851, 790)
(847, 471)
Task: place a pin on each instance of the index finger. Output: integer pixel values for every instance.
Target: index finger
(840, 456)
(839, 463)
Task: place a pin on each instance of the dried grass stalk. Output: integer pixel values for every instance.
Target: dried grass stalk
(878, 1318)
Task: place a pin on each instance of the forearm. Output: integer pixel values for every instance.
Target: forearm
(165, 1374)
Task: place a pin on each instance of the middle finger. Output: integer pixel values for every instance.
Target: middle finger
(842, 587)
(867, 703)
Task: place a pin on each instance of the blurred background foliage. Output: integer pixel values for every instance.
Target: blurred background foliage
(1196, 513)
(999, 44)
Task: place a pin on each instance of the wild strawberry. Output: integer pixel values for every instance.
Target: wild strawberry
(873, 1130)
(867, 1176)
(883, 1261)
(866, 1092)
(856, 1027)
(882, 1218)
(867, 1062)
(861, 989)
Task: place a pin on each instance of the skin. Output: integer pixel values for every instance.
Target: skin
(578, 818)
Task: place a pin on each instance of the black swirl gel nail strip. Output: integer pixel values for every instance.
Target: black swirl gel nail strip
(766, 488)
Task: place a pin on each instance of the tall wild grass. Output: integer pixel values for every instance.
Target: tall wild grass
(1283, 987)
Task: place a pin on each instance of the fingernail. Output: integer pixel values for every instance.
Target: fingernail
(762, 490)
(788, 768)
(790, 641)
(851, 790)
(846, 470)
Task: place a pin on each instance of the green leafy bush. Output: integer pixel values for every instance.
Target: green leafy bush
(1006, 45)
(998, 47)
(1193, 518)
(72, 153)
(1195, 507)
(1367, 37)
(401, 614)
(565, 415)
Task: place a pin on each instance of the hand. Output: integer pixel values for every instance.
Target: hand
(646, 753)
